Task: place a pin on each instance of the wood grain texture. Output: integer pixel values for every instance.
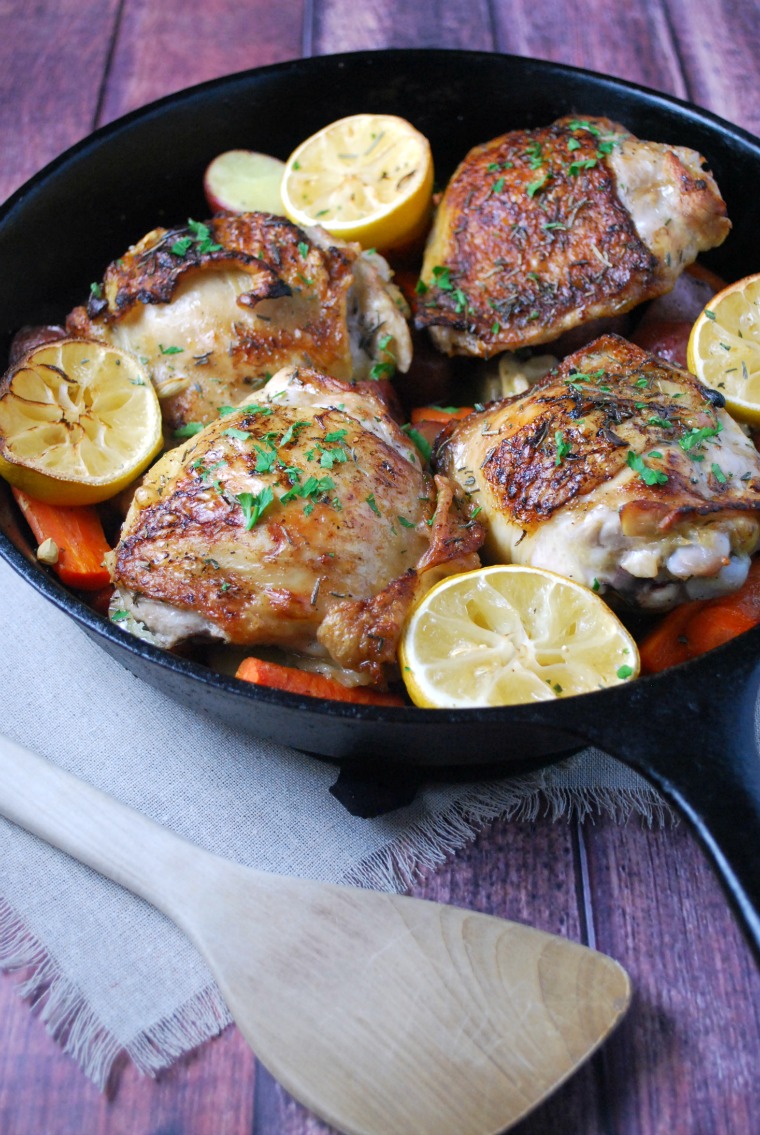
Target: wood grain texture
(161, 48)
(718, 52)
(53, 57)
(691, 1042)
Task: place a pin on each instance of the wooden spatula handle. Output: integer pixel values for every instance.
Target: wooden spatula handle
(108, 836)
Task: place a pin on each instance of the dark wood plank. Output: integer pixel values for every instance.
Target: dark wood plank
(629, 41)
(687, 1058)
(342, 25)
(162, 48)
(718, 46)
(209, 1092)
(52, 59)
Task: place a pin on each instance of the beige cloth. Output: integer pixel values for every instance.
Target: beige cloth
(119, 976)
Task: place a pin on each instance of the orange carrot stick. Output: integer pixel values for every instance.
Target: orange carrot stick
(78, 536)
(297, 681)
(438, 414)
(695, 628)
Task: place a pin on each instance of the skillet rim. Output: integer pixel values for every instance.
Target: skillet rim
(557, 715)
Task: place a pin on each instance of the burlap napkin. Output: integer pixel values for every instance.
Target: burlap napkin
(117, 975)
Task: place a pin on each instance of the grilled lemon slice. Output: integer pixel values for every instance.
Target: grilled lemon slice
(79, 420)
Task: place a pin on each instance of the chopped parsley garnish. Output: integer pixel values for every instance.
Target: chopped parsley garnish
(312, 487)
(254, 505)
(718, 473)
(442, 278)
(97, 291)
(265, 459)
(625, 672)
(563, 447)
(373, 504)
(200, 236)
(119, 616)
(404, 522)
(239, 435)
(534, 186)
(423, 445)
(585, 163)
(190, 429)
(303, 248)
(292, 431)
(170, 350)
(697, 437)
(648, 475)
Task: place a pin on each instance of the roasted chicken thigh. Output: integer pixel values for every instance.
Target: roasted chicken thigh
(215, 309)
(539, 231)
(302, 519)
(618, 470)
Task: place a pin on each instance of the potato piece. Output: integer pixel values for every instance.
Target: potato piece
(242, 181)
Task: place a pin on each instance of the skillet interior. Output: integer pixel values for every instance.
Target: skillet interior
(58, 232)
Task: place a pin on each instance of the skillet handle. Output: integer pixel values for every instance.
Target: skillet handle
(691, 731)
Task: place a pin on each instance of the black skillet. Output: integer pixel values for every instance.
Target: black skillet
(691, 730)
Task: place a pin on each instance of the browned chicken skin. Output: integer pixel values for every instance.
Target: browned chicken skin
(539, 231)
(303, 520)
(214, 310)
(618, 470)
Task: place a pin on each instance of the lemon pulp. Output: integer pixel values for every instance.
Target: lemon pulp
(365, 178)
(79, 420)
(724, 347)
(504, 635)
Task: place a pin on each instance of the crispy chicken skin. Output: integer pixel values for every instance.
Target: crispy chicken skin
(539, 231)
(303, 519)
(216, 309)
(618, 470)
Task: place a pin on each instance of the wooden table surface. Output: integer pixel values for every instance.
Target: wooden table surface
(687, 1057)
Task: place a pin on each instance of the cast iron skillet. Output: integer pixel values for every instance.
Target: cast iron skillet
(690, 730)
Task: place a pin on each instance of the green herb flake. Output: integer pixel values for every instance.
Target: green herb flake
(442, 278)
(239, 435)
(648, 475)
(595, 586)
(119, 616)
(303, 248)
(190, 429)
(254, 505)
(696, 438)
(422, 444)
(404, 522)
(373, 504)
(97, 291)
(624, 672)
(170, 350)
(718, 473)
(563, 447)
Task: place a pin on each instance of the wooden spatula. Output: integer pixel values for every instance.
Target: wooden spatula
(385, 1015)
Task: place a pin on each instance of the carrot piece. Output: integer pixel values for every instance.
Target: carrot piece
(78, 535)
(437, 414)
(297, 681)
(695, 628)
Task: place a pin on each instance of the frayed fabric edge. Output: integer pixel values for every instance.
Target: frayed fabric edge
(428, 843)
(70, 1021)
(397, 866)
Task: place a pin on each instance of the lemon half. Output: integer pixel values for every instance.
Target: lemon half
(504, 635)
(79, 420)
(724, 347)
(368, 178)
